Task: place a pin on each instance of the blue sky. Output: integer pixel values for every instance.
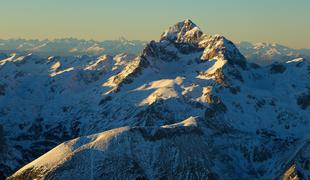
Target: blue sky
(283, 21)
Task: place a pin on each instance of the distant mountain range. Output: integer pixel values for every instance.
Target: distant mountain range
(260, 53)
(188, 106)
(266, 53)
(71, 47)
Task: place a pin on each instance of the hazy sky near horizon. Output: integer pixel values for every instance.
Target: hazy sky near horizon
(282, 21)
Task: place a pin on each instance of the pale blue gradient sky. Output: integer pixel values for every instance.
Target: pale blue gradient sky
(283, 21)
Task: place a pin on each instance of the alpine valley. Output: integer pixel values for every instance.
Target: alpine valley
(189, 106)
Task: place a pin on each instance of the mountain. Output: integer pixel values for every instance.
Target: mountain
(268, 53)
(71, 47)
(189, 106)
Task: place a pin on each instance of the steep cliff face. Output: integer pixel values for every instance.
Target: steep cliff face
(248, 119)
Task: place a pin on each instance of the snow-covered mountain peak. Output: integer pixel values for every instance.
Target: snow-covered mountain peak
(177, 55)
(186, 38)
(219, 48)
(183, 32)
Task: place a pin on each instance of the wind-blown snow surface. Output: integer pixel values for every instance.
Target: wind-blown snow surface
(249, 119)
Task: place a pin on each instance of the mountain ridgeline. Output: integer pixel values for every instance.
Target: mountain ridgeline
(189, 106)
(259, 53)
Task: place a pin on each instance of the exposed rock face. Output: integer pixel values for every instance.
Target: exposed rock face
(218, 47)
(291, 174)
(183, 32)
(249, 119)
(298, 166)
(303, 100)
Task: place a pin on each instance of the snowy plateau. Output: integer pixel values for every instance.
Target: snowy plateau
(188, 106)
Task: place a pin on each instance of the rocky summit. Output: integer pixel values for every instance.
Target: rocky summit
(189, 106)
